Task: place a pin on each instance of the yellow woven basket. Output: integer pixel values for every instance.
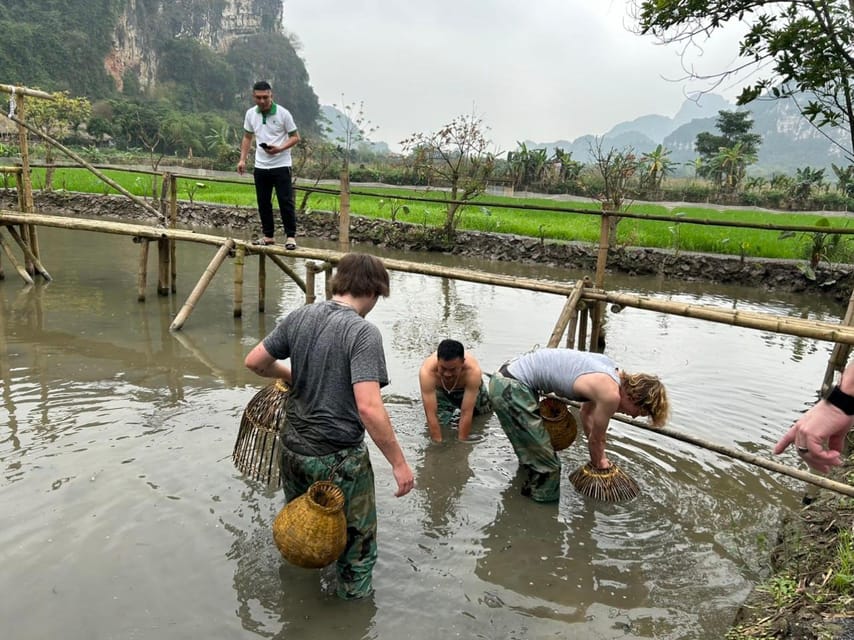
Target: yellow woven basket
(559, 422)
(311, 530)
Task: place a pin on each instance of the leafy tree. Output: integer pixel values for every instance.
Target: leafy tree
(735, 129)
(654, 167)
(806, 181)
(57, 118)
(844, 179)
(457, 154)
(729, 166)
(803, 50)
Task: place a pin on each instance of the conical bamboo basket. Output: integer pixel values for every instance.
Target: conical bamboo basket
(559, 422)
(311, 530)
(257, 450)
(609, 485)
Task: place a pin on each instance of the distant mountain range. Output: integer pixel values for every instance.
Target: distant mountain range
(789, 141)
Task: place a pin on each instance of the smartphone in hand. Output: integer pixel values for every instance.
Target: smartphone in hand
(264, 146)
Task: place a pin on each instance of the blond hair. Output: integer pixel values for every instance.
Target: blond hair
(648, 393)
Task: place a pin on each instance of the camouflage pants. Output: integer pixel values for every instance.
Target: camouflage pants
(448, 404)
(351, 470)
(518, 411)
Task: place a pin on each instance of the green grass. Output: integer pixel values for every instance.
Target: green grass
(488, 214)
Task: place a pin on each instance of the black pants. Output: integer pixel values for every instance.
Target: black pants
(279, 179)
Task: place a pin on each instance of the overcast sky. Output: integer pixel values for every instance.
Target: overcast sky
(540, 70)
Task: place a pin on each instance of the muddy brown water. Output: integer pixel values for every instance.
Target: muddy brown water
(124, 518)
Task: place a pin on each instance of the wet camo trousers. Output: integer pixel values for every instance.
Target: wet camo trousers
(518, 411)
(449, 403)
(351, 470)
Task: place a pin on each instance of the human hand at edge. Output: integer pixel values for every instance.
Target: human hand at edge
(405, 479)
(818, 436)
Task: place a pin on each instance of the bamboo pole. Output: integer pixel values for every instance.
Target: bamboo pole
(569, 311)
(14, 261)
(173, 223)
(142, 270)
(25, 199)
(239, 255)
(840, 353)
(310, 270)
(582, 327)
(327, 281)
(288, 270)
(749, 458)
(163, 266)
(573, 321)
(24, 91)
(37, 265)
(262, 282)
(202, 284)
(115, 185)
(753, 320)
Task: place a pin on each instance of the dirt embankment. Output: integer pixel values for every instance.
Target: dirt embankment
(779, 275)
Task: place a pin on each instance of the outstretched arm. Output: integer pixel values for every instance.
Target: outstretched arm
(603, 395)
(378, 425)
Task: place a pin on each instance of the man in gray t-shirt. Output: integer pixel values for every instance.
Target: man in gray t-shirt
(337, 366)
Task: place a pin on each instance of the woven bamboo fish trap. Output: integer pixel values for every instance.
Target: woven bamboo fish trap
(311, 530)
(257, 450)
(559, 423)
(609, 485)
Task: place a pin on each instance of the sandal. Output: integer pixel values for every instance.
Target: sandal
(290, 244)
(263, 242)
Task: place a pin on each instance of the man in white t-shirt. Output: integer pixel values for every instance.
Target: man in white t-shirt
(275, 132)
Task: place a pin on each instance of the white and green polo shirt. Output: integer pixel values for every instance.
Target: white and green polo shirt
(273, 128)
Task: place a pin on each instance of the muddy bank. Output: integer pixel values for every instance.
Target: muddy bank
(779, 275)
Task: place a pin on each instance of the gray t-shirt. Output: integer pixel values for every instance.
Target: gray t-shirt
(331, 348)
(556, 370)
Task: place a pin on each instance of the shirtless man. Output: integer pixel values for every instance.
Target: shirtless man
(452, 381)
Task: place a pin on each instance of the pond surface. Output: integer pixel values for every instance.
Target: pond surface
(123, 516)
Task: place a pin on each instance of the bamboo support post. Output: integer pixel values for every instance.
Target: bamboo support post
(14, 261)
(202, 284)
(310, 270)
(37, 265)
(569, 311)
(582, 326)
(163, 266)
(239, 255)
(839, 356)
(142, 270)
(327, 282)
(573, 320)
(288, 270)
(597, 313)
(262, 282)
(173, 223)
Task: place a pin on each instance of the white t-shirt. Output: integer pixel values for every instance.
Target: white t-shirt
(272, 128)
